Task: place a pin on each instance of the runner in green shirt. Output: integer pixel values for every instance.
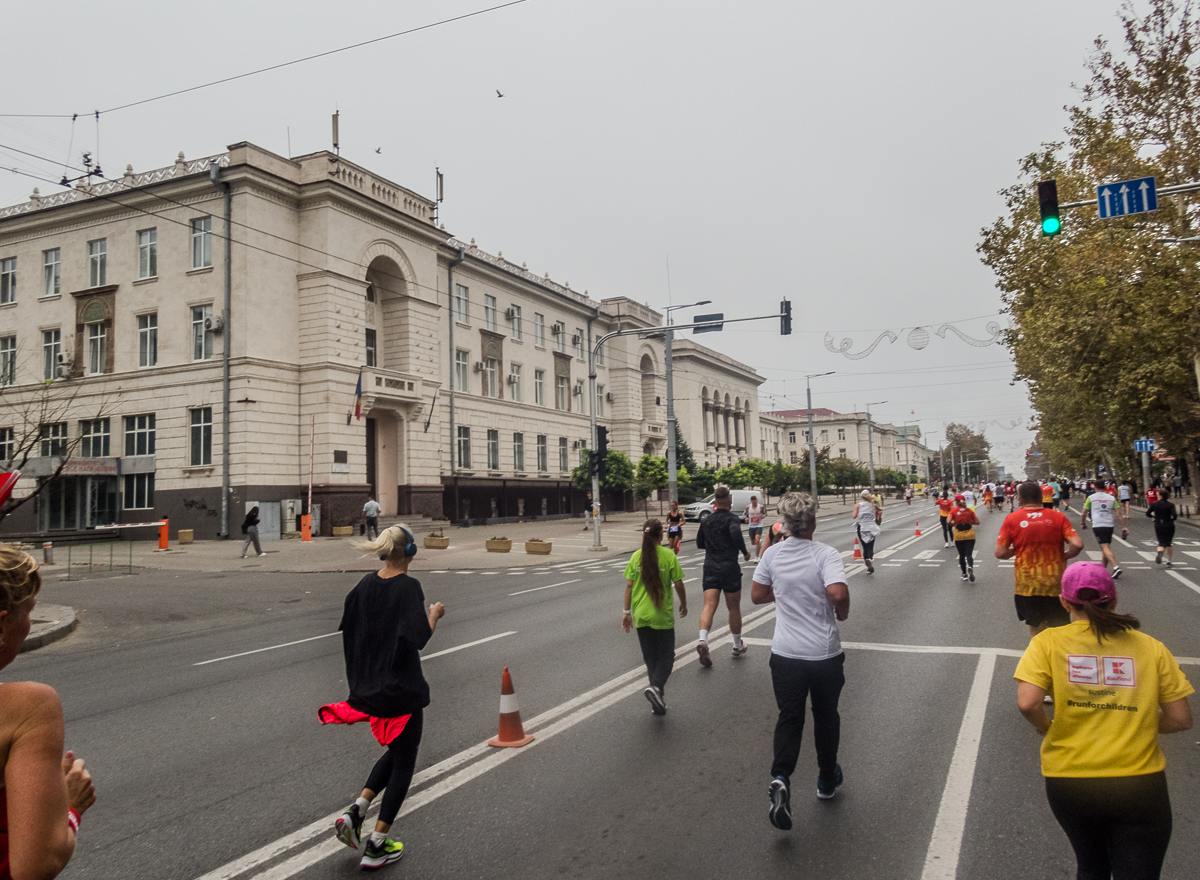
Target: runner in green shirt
(649, 607)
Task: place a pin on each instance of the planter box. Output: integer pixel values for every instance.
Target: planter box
(436, 542)
(538, 548)
(498, 545)
(343, 531)
(186, 536)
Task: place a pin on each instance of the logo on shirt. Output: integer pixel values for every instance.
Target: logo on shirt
(1120, 672)
(1083, 669)
(1086, 669)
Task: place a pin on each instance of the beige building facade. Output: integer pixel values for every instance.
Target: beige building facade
(716, 404)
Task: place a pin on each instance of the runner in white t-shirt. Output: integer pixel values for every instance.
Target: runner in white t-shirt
(1101, 508)
(753, 515)
(1123, 497)
(969, 497)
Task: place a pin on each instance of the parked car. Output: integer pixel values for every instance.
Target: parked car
(698, 511)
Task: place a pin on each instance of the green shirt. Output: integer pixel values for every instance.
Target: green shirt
(644, 611)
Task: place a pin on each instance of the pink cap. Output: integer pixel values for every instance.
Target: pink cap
(1082, 575)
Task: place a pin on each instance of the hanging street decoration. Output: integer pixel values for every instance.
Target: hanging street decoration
(917, 339)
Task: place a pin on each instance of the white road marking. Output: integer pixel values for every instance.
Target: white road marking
(941, 859)
(689, 580)
(467, 645)
(929, 565)
(1122, 541)
(926, 554)
(272, 648)
(893, 565)
(1187, 583)
(1146, 554)
(548, 586)
(930, 649)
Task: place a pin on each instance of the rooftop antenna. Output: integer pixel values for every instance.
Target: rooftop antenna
(439, 191)
(336, 149)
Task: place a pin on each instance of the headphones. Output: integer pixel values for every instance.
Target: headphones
(410, 549)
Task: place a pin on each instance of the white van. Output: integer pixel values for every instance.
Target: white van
(698, 511)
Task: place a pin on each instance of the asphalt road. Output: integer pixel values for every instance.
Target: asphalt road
(209, 761)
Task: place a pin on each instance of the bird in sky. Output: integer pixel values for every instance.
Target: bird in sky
(499, 94)
(379, 149)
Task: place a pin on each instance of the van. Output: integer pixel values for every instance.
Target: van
(698, 511)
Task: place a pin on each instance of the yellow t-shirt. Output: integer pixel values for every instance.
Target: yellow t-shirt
(1106, 698)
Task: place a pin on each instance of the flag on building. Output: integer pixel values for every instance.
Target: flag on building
(8, 482)
(358, 397)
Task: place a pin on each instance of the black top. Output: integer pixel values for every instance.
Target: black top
(1163, 512)
(384, 626)
(720, 537)
(251, 520)
(675, 520)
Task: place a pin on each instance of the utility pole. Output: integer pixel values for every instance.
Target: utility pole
(871, 442)
(812, 446)
(672, 471)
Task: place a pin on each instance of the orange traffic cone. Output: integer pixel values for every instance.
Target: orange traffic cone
(512, 735)
(857, 550)
(918, 528)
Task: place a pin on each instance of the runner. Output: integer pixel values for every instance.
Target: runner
(753, 514)
(1001, 494)
(648, 607)
(866, 527)
(675, 520)
(1123, 494)
(1064, 489)
(1035, 537)
(384, 626)
(1164, 515)
(1047, 495)
(989, 497)
(720, 537)
(964, 520)
(1099, 507)
(908, 494)
(807, 582)
(1115, 690)
(945, 508)
(968, 497)
(775, 534)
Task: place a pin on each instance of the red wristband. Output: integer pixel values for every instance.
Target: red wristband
(73, 818)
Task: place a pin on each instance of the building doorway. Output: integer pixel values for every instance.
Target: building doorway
(73, 503)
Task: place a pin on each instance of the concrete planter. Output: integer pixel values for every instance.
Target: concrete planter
(436, 542)
(186, 536)
(343, 531)
(538, 548)
(498, 545)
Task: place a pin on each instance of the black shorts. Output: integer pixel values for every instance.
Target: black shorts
(728, 586)
(755, 531)
(1036, 610)
(1164, 534)
(1103, 534)
(1048, 504)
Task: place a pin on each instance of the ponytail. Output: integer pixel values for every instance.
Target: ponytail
(1100, 616)
(390, 544)
(652, 532)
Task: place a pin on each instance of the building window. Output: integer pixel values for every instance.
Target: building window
(202, 339)
(579, 342)
(824, 436)
(97, 344)
(139, 434)
(539, 330)
(8, 280)
(560, 393)
(462, 304)
(541, 452)
(489, 377)
(462, 369)
(95, 438)
(539, 387)
(489, 312)
(370, 294)
(464, 447)
(147, 241)
(97, 262)
(54, 439)
(493, 449)
(841, 433)
(518, 452)
(51, 349)
(139, 491)
(51, 272)
(147, 339)
(600, 355)
(560, 338)
(371, 348)
(202, 242)
(564, 462)
(791, 436)
(842, 452)
(7, 444)
(514, 322)
(8, 360)
(793, 456)
(201, 436)
(514, 382)
(599, 401)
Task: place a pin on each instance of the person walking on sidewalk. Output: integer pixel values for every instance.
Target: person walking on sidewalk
(651, 572)
(371, 512)
(1115, 691)
(720, 537)
(588, 512)
(807, 582)
(964, 520)
(384, 626)
(1164, 515)
(250, 530)
(866, 527)
(1101, 508)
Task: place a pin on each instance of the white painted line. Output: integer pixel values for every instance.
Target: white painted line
(1122, 541)
(926, 554)
(930, 649)
(1187, 583)
(1095, 555)
(272, 648)
(439, 571)
(941, 859)
(929, 565)
(766, 643)
(689, 580)
(548, 586)
(892, 565)
(468, 645)
(1147, 554)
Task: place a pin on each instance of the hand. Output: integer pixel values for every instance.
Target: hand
(81, 794)
(626, 621)
(683, 609)
(747, 556)
(437, 610)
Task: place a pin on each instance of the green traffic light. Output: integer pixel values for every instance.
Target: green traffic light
(1051, 226)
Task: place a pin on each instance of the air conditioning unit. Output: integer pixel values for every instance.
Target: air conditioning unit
(579, 386)
(214, 324)
(510, 313)
(64, 367)
(512, 380)
(576, 339)
(62, 371)
(576, 444)
(558, 329)
(478, 366)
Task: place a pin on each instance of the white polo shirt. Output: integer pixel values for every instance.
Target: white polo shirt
(799, 571)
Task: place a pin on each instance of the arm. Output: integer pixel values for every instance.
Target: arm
(839, 597)
(1031, 702)
(682, 598)
(700, 537)
(761, 594)
(436, 612)
(1005, 550)
(1074, 547)
(627, 613)
(1174, 716)
(739, 540)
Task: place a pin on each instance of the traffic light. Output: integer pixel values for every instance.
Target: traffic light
(785, 318)
(601, 450)
(1048, 205)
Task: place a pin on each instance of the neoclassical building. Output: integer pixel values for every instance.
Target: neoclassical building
(716, 404)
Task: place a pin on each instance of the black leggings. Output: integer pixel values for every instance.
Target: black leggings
(868, 547)
(793, 681)
(393, 772)
(947, 529)
(966, 554)
(658, 650)
(1118, 826)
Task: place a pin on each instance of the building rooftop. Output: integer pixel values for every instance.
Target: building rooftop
(802, 413)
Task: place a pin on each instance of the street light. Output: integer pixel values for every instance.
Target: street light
(871, 442)
(812, 449)
(672, 473)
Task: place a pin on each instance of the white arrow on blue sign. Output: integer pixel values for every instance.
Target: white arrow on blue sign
(1143, 445)
(1127, 197)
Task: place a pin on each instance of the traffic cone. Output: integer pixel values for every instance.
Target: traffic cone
(918, 528)
(512, 735)
(857, 550)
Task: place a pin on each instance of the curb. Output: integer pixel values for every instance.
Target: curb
(62, 623)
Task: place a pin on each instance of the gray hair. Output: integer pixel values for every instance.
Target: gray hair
(799, 511)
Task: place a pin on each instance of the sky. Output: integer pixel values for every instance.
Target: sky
(844, 156)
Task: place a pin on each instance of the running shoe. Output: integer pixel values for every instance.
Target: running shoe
(1116, 573)
(971, 574)
(1169, 564)
(947, 543)
(1158, 558)
(702, 650)
(348, 827)
(740, 652)
(964, 577)
(658, 705)
(780, 813)
(827, 790)
(376, 855)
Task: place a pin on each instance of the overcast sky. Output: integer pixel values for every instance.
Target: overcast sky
(845, 156)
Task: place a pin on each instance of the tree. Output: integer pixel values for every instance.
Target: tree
(747, 473)
(704, 479)
(651, 476)
(844, 473)
(619, 477)
(683, 452)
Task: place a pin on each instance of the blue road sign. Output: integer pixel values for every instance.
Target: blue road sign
(1143, 445)
(717, 323)
(1127, 197)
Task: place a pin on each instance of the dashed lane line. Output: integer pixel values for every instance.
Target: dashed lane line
(1185, 581)
(548, 586)
(338, 633)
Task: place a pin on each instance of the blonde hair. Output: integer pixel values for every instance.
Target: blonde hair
(390, 544)
(19, 578)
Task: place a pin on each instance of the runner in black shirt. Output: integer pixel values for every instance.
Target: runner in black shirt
(720, 537)
(674, 527)
(1164, 515)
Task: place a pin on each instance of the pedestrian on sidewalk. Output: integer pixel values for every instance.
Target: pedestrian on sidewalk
(45, 792)
(371, 511)
(385, 624)
(964, 520)
(866, 527)
(1163, 512)
(648, 577)
(588, 513)
(250, 530)
(720, 537)
(807, 582)
(1115, 690)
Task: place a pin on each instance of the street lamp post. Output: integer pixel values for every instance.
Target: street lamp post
(812, 446)
(871, 442)
(672, 471)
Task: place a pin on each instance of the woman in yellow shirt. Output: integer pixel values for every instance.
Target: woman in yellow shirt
(1115, 690)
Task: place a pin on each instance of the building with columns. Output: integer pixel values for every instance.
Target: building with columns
(846, 435)
(716, 404)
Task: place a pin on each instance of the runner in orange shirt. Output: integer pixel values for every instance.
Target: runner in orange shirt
(1047, 496)
(945, 506)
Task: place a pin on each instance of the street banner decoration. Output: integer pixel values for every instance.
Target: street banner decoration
(917, 339)
(8, 482)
